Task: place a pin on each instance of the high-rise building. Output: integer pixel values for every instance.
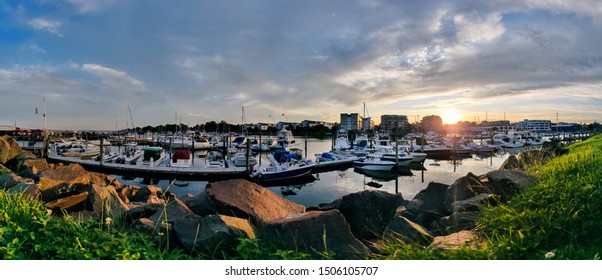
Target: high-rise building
(432, 123)
(351, 121)
(390, 122)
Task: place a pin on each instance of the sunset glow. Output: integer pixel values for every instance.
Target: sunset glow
(450, 117)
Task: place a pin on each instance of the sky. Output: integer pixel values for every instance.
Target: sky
(87, 61)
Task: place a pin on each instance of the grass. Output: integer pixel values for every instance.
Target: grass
(559, 218)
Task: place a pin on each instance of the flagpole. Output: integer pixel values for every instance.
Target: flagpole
(45, 129)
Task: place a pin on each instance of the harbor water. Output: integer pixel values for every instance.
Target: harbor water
(328, 186)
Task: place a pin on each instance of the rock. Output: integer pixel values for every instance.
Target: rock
(31, 167)
(473, 203)
(507, 183)
(108, 180)
(200, 204)
(53, 189)
(400, 228)
(369, 212)
(143, 194)
(28, 190)
(463, 188)
(9, 149)
(433, 197)
(8, 179)
(128, 192)
(511, 163)
(458, 221)
(144, 225)
(70, 204)
(64, 173)
(244, 199)
(139, 212)
(105, 201)
(213, 233)
(314, 232)
(172, 209)
(454, 241)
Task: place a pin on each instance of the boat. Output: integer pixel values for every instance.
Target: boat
(341, 142)
(181, 158)
(374, 163)
(130, 155)
(282, 166)
(240, 159)
(215, 160)
(284, 139)
(152, 156)
(400, 158)
(334, 157)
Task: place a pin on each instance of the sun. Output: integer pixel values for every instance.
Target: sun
(450, 117)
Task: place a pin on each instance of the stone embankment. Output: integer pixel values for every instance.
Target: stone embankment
(440, 216)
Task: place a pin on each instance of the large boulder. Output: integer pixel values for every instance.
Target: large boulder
(9, 149)
(474, 203)
(432, 198)
(172, 209)
(212, 234)
(142, 211)
(9, 180)
(511, 163)
(401, 228)
(507, 183)
(317, 232)
(458, 221)
(463, 188)
(72, 203)
(244, 199)
(147, 193)
(63, 181)
(104, 201)
(200, 204)
(369, 212)
(29, 190)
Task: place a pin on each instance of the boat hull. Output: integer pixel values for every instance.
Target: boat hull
(286, 174)
(381, 166)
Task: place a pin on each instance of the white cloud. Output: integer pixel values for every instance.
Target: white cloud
(90, 6)
(46, 24)
(475, 29)
(115, 78)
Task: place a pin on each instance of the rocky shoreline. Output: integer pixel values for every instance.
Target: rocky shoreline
(439, 217)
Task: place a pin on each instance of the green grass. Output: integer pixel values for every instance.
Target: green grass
(28, 232)
(559, 218)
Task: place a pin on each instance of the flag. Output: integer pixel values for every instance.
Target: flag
(283, 114)
(36, 110)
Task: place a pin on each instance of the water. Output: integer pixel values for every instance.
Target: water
(329, 186)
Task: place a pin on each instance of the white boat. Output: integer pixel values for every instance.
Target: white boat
(334, 156)
(400, 158)
(240, 159)
(341, 142)
(284, 139)
(181, 158)
(152, 156)
(374, 163)
(215, 160)
(130, 155)
(277, 171)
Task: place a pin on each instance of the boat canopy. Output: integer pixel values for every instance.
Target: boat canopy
(180, 154)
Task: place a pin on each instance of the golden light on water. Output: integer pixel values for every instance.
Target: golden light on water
(450, 116)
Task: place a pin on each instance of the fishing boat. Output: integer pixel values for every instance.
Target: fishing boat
(282, 166)
(152, 156)
(130, 155)
(181, 158)
(240, 159)
(284, 139)
(374, 163)
(341, 143)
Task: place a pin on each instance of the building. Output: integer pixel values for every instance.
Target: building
(500, 126)
(351, 121)
(367, 123)
(308, 124)
(432, 123)
(391, 122)
(534, 125)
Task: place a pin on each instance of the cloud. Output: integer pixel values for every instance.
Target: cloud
(114, 78)
(46, 24)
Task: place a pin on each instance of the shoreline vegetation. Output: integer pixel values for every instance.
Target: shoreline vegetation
(555, 218)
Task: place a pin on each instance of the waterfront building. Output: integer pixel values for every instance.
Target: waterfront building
(367, 123)
(534, 125)
(390, 122)
(308, 123)
(351, 121)
(501, 126)
(432, 123)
